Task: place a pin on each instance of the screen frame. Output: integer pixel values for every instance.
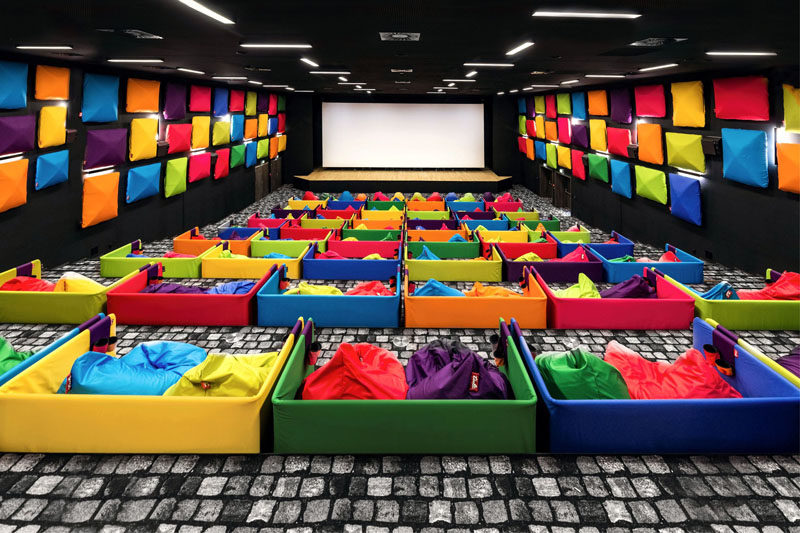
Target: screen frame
(402, 99)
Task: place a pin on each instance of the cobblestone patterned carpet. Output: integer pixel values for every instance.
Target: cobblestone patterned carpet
(409, 493)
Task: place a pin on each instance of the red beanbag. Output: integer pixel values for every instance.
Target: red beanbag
(370, 288)
(741, 98)
(237, 101)
(650, 101)
(564, 130)
(179, 137)
(691, 376)
(578, 170)
(618, 141)
(199, 166)
(787, 287)
(358, 372)
(222, 167)
(28, 284)
(550, 105)
(522, 146)
(308, 195)
(530, 128)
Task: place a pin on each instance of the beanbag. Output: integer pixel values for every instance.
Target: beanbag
(9, 357)
(370, 288)
(361, 197)
(435, 197)
(27, 283)
(564, 156)
(529, 257)
(427, 255)
(578, 255)
(540, 150)
(786, 287)
(635, 287)
(688, 107)
(650, 101)
(225, 375)
(585, 288)
(551, 130)
(308, 195)
(479, 290)
(579, 375)
(456, 238)
(357, 372)
(744, 157)
(538, 104)
(380, 197)
(522, 125)
(552, 156)
(790, 362)
(436, 288)
(721, 291)
(550, 105)
(564, 130)
(232, 287)
(398, 196)
(742, 98)
(578, 170)
(691, 376)
(171, 288)
(148, 370)
(530, 127)
(442, 372)
(74, 282)
(468, 197)
(540, 127)
(306, 289)
(276, 255)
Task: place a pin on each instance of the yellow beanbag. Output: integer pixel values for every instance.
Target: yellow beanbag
(225, 375)
(74, 282)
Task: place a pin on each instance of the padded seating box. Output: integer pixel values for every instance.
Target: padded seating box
(34, 307)
(623, 246)
(437, 241)
(131, 306)
(487, 220)
(384, 214)
(518, 241)
(747, 314)
(765, 420)
(215, 266)
(293, 203)
(185, 244)
(453, 266)
(426, 205)
(673, 309)
(355, 266)
(459, 205)
(339, 204)
(414, 216)
(433, 224)
(477, 312)
(22, 365)
(276, 309)
(531, 219)
(333, 214)
(271, 226)
(371, 234)
(36, 420)
(377, 223)
(403, 426)
(385, 205)
(515, 205)
(295, 213)
(386, 248)
(550, 271)
(116, 263)
(688, 270)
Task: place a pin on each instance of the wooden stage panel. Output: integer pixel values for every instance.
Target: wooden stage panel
(328, 180)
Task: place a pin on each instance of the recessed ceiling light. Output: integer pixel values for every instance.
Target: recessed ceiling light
(451, 84)
(135, 60)
(402, 81)
(501, 93)
(435, 92)
(190, 71)
(228, 77)
(363, 89)
(543, 86)
(358, 86)
(276, 86)
(471, 74)
(490, 65)
(459, 80)
(446, 88)
(331, 72)
(585, 14)
(304, 91)
(274, 45)
(743, 54)
(540, 72)
(527, 88)
(205, 11)
(343, 78)
(604, 76)
(569, 82)
(519, 48)
(307, 61)
(254, 82)
(139, 34)
(45, 47)
(401, 70)
(512, 91)
(658, 67)
(351, 83)
(290, 88)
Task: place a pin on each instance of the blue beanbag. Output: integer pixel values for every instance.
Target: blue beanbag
(220, 102)
(100, 98)
(436, 288)
(744, 157)
(51, 169)
(621, 178)
(232, 287)
(13, 85)
(540, 150)
(451, 197)
(685, 194)
(721, 291)
(346, 196)
(237, 127)
(143, 182)
(250, 154)
(579, 105)
(276, 255)
(148, 370)
(427, 255)
(456, 238)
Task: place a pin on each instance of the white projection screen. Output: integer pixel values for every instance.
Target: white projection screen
(376, 135)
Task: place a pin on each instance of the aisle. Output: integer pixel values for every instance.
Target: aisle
(169, 493)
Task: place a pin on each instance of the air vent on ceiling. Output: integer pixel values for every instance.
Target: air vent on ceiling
(398, 36)
(139, 34)
(656, 42)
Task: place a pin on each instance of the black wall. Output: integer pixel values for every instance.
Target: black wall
(745, 227)
(47, 227)
(299, 155)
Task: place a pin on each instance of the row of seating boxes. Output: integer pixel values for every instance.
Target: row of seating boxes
(38, 420)
(265, 303)
(411, 205)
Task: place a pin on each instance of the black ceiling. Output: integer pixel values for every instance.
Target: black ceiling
(344, 35)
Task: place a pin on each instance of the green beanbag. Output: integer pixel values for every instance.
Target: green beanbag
(579, 375)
